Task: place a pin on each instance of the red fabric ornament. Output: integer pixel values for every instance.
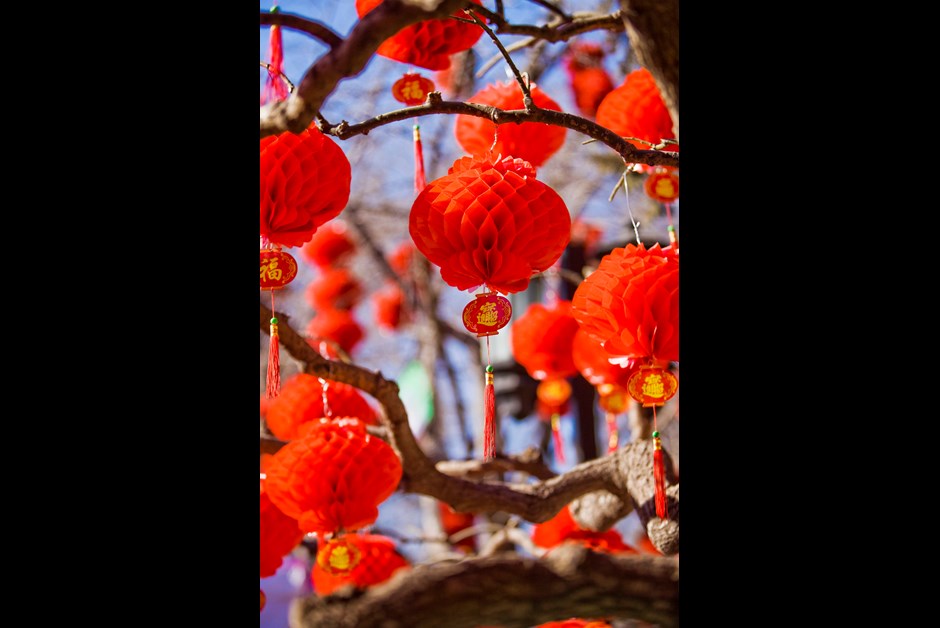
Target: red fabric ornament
(563, 528)
(334, 478)
(636, 109)
(334, 288)
(305, 182)
(534, 142)
(337, 325)
(490, 222)
(279, 535)
(542, 340)
(330, 245)
(304, 400)
(389, 304)
(378, 560)
(630, 304)
(588, 79)
(427, 44)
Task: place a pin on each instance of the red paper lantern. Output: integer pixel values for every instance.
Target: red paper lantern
(412, 89)
(562, 528)
(636, 109)
(334, 478)
(330, 245)
(389, 305)
(427, 44)
(378, 560)
(305, 182)
(630, 304)
(542, 340)
(301, 404)
(592, 361)
(587, 77)
(334, 288)
(534, 142)
(490, 222)
(340, 326)
(278, 268)
(279, 535)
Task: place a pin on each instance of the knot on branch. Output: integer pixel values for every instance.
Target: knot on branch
(599, 511)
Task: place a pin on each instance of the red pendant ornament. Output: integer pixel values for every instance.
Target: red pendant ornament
(360, 560)
(534, 142)
(334, 288)
(339, 326)
(330, 245)
(662, 184)
(589, 81)
(652, 386)
(412, 89)
(489, 222)
(305, 399)
(279, 535)
(333, 479)
(427, 44)
(274, 87)
(636, 110)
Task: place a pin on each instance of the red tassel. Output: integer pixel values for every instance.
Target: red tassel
(489, 416)
(420, 181)
(274, 87)
(659, 474)
(556, 438)
(274, 364)
(612, 435)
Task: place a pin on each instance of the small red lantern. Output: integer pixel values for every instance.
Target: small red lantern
(305, 399)
(402, 257)
(589, 81)
(278, 269)
(662, 185)
(636, 109)
(330, 245)
(427, 44)
(389, 305)
(339, 326)
(334, 288)
(412, 89)
(360, 560)
(333, 479)
(534, 142)
(279, 535)
(652, 386)
(486, 314)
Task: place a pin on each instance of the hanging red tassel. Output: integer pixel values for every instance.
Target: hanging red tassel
(274, 364)
(420, 181)
(489, 416)
(274, 87)
(659, 474)
(556, 438)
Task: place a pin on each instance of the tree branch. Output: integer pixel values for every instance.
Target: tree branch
(302, 24)
(508, 591)
(556, 29)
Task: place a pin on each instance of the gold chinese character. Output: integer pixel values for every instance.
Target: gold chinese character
(665, 188)
(272, 271)
(339, 558)
(412, 90)
(653, 386)
(487, 315)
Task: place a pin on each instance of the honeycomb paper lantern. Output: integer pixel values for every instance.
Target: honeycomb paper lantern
(279, 535)
(378, 560)
(427, 44)
(333, 479)
(333, 288)
(636, 109)
(542, 340)
(301, 404)
(339, 326)
(630, 304)
(305, 182)
(593, 363)
(330, 245)
(490, 222)
(534, 142)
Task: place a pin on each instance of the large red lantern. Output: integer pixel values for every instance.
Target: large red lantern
(330, 245)
(333, 479)
(636, 109)
(334, 288)
(427, 44)
(279, 535)
(305, 399)
(362, 561)
(489, 222)
(534, 142)
(339, 326)
(589, 81)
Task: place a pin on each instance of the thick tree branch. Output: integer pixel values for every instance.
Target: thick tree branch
(626, 473)
(434, 104)
(530, 461)
(302, 24)
(508, 591)
(557, 29)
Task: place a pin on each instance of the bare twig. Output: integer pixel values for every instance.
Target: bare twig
(519, 45)
(523, 84)
(270, 68)
(556, 29)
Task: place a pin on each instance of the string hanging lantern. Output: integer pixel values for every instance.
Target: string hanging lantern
(412, 89)
(295, 200)
(376, 559)
(305, 399)
(489, 222)
(389, 307)
(330, 246)
(542, 341)
(427, 44)
(534, 142)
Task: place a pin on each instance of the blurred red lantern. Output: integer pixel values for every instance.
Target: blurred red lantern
(490, 222)
(427, 44)
(330, 245)
(389, 304)
(562, 528)
(542, 340)
(376, 560)
(534, 142)
(402, 257)
(636, 109)
(662, 184)
(304, 400)
(333, 288)
(333, 479)
(589, 81)
(339, 326)
(630, 304)
(279, 535)
(454, 522)
(610, 380)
